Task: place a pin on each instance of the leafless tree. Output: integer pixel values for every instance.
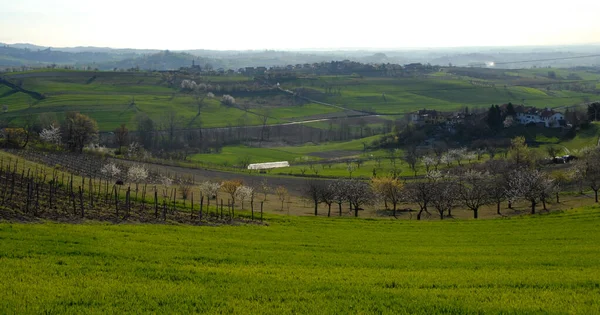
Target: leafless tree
(423, 192)
(589, 169)
(328, 196)
(358, 193)
(411, 158)
(313, 190)
(474, 190)
(339, 193)
(121, 136)
(445, 196)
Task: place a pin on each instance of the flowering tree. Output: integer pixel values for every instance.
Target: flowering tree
(51, 135)
(244, 193)
(531, 185)
(110, 170)
(230, 187)
(137, 174)
(210, 190)
(188, 85)
(228, 100)
(389, 189)
(428, 162)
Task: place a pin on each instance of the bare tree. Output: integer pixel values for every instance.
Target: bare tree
(313, 190)
(339, 193)
(444, 197)
(475, 190)
(358, 194)
(411, 158)
(282, 193)
(589, 168)
(185, 188)
(423, 192)
(121, 136)
(328, 196)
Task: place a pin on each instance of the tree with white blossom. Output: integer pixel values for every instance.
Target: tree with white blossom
(51, 135)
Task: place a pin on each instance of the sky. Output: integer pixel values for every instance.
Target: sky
(292, 25)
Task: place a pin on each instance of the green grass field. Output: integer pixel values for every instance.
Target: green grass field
(546, 264)
(107, 96)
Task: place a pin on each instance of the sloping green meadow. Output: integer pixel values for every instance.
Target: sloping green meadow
(543, 264)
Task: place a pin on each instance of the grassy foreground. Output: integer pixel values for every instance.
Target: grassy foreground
(542, 264)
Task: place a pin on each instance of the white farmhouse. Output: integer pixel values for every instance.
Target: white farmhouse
(548, 117)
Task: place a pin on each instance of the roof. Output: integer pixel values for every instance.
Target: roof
(268, 165)
(548, 113)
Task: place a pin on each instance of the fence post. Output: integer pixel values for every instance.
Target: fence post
(261, 211)
(192, 207)
(201, 204)
(81, 201)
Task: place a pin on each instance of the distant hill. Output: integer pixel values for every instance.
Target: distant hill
(24, 54)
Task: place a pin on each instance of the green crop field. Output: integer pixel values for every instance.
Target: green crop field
(114, 98)
(546, 264)
(448, 92)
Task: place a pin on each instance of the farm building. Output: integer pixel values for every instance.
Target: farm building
(268, 165)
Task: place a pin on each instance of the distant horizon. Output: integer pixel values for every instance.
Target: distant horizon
(320, 49)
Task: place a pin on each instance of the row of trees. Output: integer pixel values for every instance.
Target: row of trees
(493, 182)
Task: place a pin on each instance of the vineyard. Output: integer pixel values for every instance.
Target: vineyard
(76, 189)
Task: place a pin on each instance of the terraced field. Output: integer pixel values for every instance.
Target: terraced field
(113, 98)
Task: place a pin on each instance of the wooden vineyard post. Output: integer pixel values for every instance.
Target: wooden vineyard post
(221, 209)
(164, 214)
(229, 209)
(116, 201)
(261, 211)
(201, 204)
(192, 207)
(51, 191)
(91, 192)
(128, 199)
(174, 199)
(28, 197)
(252, 209)
(74, 204)
(144, 197)
(37, 198)
(155, 203)
(81, 201)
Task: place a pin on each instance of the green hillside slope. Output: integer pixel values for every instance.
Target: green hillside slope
(540, 264)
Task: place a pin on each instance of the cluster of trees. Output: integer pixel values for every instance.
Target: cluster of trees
(517, 178)
(76, 132)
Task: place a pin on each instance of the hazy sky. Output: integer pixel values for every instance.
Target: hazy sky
(266, 24)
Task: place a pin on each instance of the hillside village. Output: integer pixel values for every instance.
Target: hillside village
(520, 114)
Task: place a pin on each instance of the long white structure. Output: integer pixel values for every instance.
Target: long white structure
(268, 165)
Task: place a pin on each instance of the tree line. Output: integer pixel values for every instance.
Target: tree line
(519, 177)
